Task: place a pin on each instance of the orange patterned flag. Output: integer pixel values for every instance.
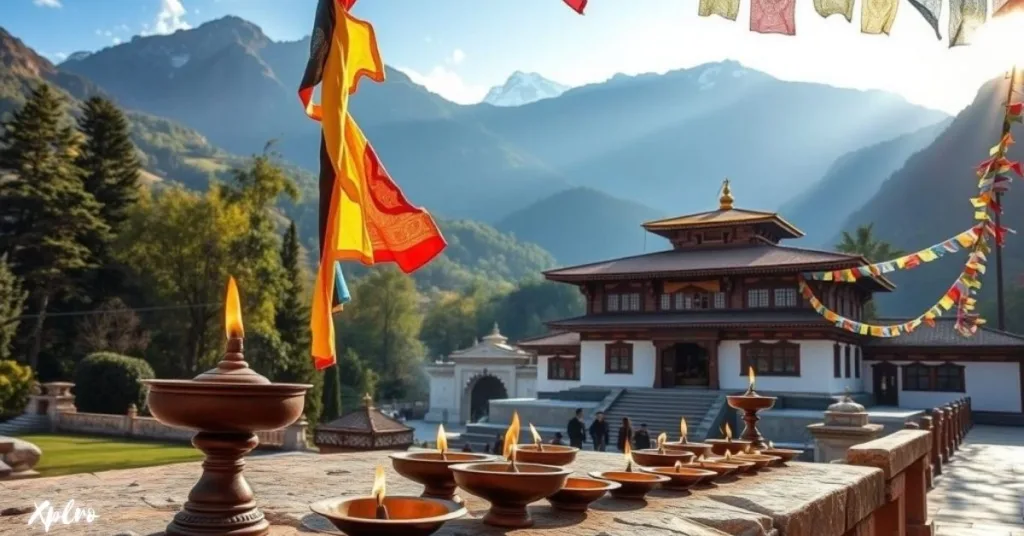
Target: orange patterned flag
(367, 217)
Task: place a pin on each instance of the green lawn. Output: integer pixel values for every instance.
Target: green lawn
(67, 454)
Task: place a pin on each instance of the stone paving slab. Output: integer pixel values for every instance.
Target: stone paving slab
(981, 490)
(799, 500)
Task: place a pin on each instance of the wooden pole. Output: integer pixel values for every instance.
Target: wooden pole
(1000, 301)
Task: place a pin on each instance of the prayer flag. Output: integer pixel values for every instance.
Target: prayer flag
(773, 16)
(827, 8)
(931, 10)
(728, 9)
(965, 17)
(368, 218)
(877, 16)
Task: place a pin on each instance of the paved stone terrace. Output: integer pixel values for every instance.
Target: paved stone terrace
(800, 500)
(981, 490)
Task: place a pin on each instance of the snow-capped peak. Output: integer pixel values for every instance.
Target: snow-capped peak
(523, 88)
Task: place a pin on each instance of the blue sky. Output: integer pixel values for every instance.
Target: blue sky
(459, 48)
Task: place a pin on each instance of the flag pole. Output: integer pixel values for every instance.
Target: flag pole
(1000, 298)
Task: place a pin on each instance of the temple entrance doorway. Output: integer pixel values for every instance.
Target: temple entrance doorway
(886, 386)
(485, 389)
(685, 365)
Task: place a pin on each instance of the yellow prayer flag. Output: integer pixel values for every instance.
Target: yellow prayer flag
(877, 16)
(876, 331)
(981, 215)
(927, 255)
(946, 302)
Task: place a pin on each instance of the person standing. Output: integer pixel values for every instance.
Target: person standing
(558, 439)
(625, 434)
(642, 438)
(499, 445)
(599, 432)
(577, 430)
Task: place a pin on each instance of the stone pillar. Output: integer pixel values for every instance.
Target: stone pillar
(846, 424)
(295, 436)
(956, 425)
(902, 457)
(933, 460)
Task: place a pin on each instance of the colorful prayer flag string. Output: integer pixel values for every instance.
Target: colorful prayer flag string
(907, 262)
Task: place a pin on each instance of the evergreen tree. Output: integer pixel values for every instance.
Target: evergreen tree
(292, 324)
(12, 299)
(47, 218)
(332, 395)
(109, 159)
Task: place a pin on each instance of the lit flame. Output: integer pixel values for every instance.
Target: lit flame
(727, 432)
(682, 430)
(662, 439)
(536, 436)
(442, 439)
(378, 485)
(728, 456)
(771, 445)
(747, 450)
(627, 452)
(511, 438)
(701, 457)
(678, 466)
(233, 311)
(750, 376)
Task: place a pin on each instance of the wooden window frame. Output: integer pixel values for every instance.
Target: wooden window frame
(787, 289)
(846, 360)
(768, 298)
(559, 362)
(932, 374)
(746, 361)
(609, 299)
(836, 361)
(856, 363)
(624, 351)
(627, 301)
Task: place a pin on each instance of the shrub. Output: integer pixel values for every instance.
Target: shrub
(15, 386)
(109, 383)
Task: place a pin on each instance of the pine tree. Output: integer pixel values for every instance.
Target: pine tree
(332, 394)
(109, 159)
(47, 218)
(292, 323)
(12, 299)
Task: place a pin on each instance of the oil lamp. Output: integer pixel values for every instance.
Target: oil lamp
(227, 405)
(510, 487)
(383, 515)
(433, 469)
(750, 403)
(538, 452)
(727, 445)
(681, 477)
(660, 456)
(784, 455)
(632, 485)
(578, 493)
(684, 444)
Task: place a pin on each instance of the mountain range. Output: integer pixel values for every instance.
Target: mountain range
(577, 173)
(523, 88)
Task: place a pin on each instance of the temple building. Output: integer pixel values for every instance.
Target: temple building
(725, 297)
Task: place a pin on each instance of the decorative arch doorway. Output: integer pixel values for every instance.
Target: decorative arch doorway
(484, 389)
(685, 364)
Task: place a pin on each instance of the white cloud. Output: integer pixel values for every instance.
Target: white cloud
(47, 3)
(457, 56)
(117, 41)
(170, 19)
(448, 84)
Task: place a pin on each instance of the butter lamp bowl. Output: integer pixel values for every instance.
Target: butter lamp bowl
(696, 448)
(433, 470)
(225, 407)
(784, 455)
(633, 486)
(681, 478)
(577, 493)
(721, 446)
(407, 516)
(750, 402)
(742, 466)
(547, 455)
(721, 470)
(653, 458)
(760, 461)
(509, 492)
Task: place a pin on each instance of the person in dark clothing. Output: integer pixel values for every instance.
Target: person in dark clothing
(642, 438)
(558, 439)
(466, 447)
(577, 430)
(499, 445)
(625, 434)
(599, 432)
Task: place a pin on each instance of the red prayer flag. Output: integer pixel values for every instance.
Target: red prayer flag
(773, 16)
(577, 5)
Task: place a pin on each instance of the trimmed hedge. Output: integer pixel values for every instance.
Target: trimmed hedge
(109, 383)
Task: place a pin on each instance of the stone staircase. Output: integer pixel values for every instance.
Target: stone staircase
(661, 410)
(25, 424)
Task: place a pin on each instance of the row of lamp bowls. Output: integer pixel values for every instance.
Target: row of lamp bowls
(531, 473)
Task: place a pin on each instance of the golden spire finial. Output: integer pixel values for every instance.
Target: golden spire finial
(725, 201)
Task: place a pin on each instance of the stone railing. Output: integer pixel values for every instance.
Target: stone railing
(948, 426)
(903, 458)
(133, 426)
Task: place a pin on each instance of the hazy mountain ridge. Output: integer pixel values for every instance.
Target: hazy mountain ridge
(523, 88)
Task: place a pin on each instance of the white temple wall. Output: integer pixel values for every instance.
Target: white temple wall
(992, 386)
(544, 385)
(816, 370)
(442, 398)
(526, 387)
(592, 365)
